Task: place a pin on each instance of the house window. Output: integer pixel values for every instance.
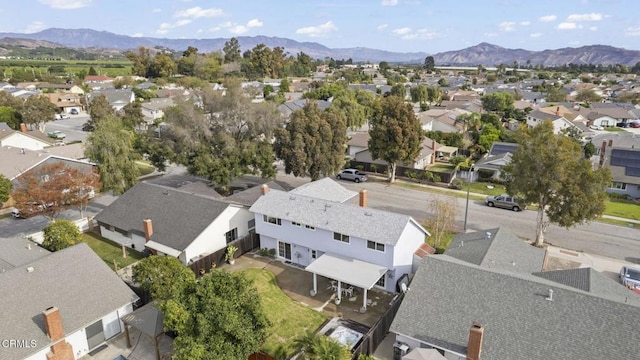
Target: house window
(296, 224)
(314, 254)
(341, 237)
(272, 220)
(310, 227)
(375, 246)
(251, 224)
(231, 235)
(381, 281)
(618, 185)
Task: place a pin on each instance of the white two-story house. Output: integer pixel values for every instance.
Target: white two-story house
(352, 244)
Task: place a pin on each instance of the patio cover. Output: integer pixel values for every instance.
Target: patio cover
(447, 149)
(147, 319)
(351, 271)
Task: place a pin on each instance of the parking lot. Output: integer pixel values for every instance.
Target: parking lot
(71, 127)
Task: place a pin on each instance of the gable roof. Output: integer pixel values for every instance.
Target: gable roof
(326, 189)
(494, 161)
(13, 162)
(17, 252)
(497, 249)
(249, 196)
(519, 322)
(366, 223)
(360, 139)
(75, 280)
(498, 148)
(165, 207)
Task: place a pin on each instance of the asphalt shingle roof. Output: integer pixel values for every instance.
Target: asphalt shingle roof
(366, 223)
(326, 189)
(17, 252)
(178, 217)
(447, 295)
(75, 280)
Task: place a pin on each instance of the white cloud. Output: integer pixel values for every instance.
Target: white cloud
(383, 26)
(198, 12)
(254, 23)
(525, 23)
(165, 27)
(318, 31)
(584, 17)
(568, 26)
(535, 35)
(632, 31)
(548, 18)
(389, 2)
(137, 35)
(402, 31)
(35, 26)
(507, 26)
(238, 29)
(421, 34)
(66, 4)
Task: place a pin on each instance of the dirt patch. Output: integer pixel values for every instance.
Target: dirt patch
(555, 263)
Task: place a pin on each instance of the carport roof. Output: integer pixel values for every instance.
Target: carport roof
(351, 271)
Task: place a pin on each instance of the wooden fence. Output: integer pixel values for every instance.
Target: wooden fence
(244, 245)
(378, 331)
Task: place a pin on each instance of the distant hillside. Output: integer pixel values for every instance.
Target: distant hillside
(484, 53)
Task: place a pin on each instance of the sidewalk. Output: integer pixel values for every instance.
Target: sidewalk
(608, 266)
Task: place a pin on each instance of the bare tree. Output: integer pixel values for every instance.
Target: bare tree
(443, 219)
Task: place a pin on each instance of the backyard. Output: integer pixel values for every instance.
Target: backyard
(289, 318)
(110, 252)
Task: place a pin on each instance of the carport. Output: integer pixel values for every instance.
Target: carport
(358, 273)
(148, 320)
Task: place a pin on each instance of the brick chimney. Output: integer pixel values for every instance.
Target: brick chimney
(60, 350)
(264, 189)
(148, 229)
(23, 127)
(433, 153)
(603, 150)
(363, 198)
(558, 111)
(474, 347)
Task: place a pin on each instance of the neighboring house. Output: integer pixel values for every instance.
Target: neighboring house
(490, 301)
(357, 245)
(17, 251)
(357, 143)
(492, 163)
(172, 222)
(498, 148)
(61, 306)
(64, 88)
(444, 120)
(117, 98)
(610, 116)
(430, 151)
(154, 109)
(536, 117)
(622, 156)
(290, 106)
(23, 139)
(64, 101)
(15, 161)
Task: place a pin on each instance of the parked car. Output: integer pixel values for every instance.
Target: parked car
(73, 112)
(596, 127)
(56, 134)
(504, 201)
(62, 116)
(352, 174)
(623, 124)
(635, 124)
(630, 277)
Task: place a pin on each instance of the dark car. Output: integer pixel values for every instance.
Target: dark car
(352, 174)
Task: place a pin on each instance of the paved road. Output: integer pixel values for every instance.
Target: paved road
(595, 238)
(72, 127)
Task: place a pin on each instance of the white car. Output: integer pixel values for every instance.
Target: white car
(62, 116)
(596, 127)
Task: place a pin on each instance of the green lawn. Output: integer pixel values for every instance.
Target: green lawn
(613, 129)
(445, 241)
(483, 188)
(623, 209)
(289, 319)
(110, 252)
(144, 169)
(441, 167)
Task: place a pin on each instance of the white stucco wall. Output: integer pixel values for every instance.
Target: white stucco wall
(20, 141)
(137, 241)
(78, 342)
(213, 237)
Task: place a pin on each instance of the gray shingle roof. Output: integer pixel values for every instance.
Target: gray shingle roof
(446, 295)
(249, 196)
(326, 189)
(17, 251)
(366, 223)
(498, 148)
(178, 217)
(75, 280)
(497, 249)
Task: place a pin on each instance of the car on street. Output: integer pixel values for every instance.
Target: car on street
(504, 201)
(630, 277)
(635, 124)
(62, 116)
(73, 112)
(56, 134)
(352, 174)
(596, 127)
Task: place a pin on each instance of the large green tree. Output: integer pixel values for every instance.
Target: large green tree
(429, 64)
(231, 51)
(5, 189)
(395, 134)
(315, 346)
(99, 108)
(60, 234)
(164, 277)
(111, 146)
(312, 143)
(37, 110)
(498, 102)
(548, 170)
(218, 317)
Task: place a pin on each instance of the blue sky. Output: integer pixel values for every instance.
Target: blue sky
(395, 25)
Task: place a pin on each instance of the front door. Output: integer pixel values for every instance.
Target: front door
(284, 250)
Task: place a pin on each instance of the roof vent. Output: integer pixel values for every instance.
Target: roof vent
(368, 214)
(550, 297)
(30, 269)
(488, 235)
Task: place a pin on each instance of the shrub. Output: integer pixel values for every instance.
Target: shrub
(457, 184)
(485, 173)
(272, 252)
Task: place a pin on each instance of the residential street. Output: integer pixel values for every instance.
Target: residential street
(595, 238)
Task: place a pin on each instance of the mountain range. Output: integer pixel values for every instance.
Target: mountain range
(482, 54)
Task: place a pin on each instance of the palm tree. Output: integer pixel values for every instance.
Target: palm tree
(326, 348)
